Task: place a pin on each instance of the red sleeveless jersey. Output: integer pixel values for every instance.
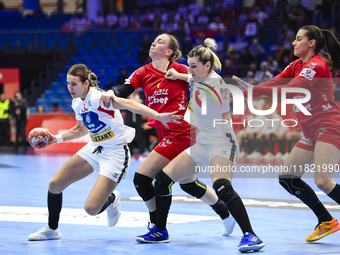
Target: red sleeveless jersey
(161, 94)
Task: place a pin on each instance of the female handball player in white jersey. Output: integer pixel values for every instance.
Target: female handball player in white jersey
(107, 152)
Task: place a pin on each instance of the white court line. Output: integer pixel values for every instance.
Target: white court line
(79, 216)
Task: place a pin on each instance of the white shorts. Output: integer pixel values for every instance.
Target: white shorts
(112, 163)
(203, 153)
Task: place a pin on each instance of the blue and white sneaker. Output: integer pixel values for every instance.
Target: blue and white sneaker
(155, 235)
(250, 242)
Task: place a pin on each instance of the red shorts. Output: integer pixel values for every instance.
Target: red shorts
(324, 135)
(173, 142)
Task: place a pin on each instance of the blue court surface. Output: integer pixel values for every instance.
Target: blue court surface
(278, 218)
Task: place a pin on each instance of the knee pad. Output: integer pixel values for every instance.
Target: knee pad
(143, 185)
(163, 184)
(225, 191)
(196, 189)
(294, 185)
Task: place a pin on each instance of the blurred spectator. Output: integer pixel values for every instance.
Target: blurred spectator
(292, 22)
(194, 8)
(56, 109)
(40, 109)
(156, 27)
(253, 28)
(190, 18)
(99, 21)
(182, 10)
(263, 74)
(219, 7)
(203, 19)
(302, 18)
(286, 36)
(253, 67)
(149, 18)
(135, 20)
(273, 65)
(270, 9)
(112, 20)
(228, 16)
(123, 20)
(20, 107)
(169, 26)
(256, 50)
(2, 5)
(207, 8)
(181, 28)
(144, 47)
(259, 15)
(244, 61)
(250, 78)
(163, 15)
(78, 25)
(243, 17)
(228, 70)
(280, 16)
(216, 24)
(5, 115)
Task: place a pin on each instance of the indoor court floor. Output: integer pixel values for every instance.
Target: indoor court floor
(278, 218)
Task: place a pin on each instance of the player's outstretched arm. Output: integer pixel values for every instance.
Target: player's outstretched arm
(77, 131)
(133, 106)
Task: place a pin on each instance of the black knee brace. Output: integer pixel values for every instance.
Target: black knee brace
(163, 184)
(225, 191)
(143, 185)
(196, 189)
(293, 184)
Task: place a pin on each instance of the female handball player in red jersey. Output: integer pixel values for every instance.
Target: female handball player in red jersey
(319, 148)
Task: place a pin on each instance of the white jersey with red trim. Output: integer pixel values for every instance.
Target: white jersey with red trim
(209, 109)
(106, 125)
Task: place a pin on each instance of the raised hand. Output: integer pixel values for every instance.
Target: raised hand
(169, 117)
(172, 74)
(106, 98)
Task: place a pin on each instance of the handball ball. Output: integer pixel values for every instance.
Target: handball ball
(38, 138)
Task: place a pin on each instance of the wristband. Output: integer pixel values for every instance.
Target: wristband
(59, 138)
(189, 78)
